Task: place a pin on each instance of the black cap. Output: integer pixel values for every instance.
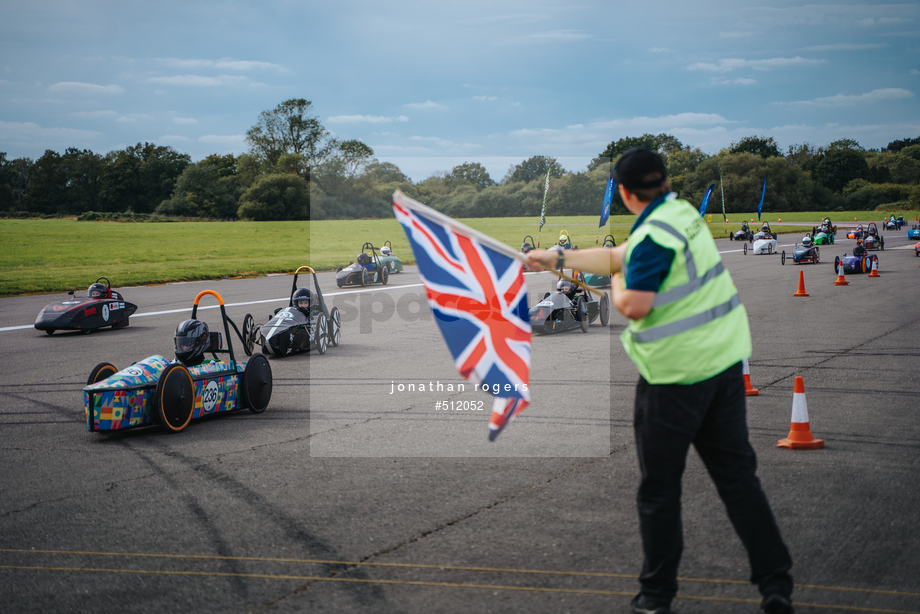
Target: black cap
(640, 168)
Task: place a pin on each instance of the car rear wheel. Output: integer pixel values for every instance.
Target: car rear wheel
(175, 398)
(384, 275)
(604, 309)
(836, 264)
(782, 258)
(123, 324)
(321, 334)
(256, 385)
(335, 327)
(100, 372)
(249, 334)
(745, 249)
(49, 331)
(581, 313)
(363, 277)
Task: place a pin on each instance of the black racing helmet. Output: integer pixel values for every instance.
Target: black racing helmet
(97, 291)
(364, 258)
(192, 341)
(566, 287)
(303, 298)
(526, 247)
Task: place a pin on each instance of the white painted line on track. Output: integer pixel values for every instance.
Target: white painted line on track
(270, 300)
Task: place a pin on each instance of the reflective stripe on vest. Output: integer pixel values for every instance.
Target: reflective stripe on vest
(682, 326)
(694, 283)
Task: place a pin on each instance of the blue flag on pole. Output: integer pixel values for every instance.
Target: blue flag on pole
(706, 199)
(608, 198)
(762, 192)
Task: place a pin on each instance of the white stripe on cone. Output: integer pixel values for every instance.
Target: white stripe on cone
(799, 408)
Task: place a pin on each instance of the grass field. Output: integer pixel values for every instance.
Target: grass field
(45, 256)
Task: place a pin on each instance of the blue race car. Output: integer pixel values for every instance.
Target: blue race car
(857, 262)
(806, 252)
(368, 269)
(914, 232)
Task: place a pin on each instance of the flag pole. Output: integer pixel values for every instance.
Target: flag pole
(543, 211)
(722, 190)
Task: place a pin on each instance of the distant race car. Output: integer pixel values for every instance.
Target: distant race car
(744, 234)
(389, 260)
(600, 281)
(917, 249)
(857, 262)
(914, 232)
(304, 325)
(570, 306)
(172, 393)
(825, 233)
(806, 252)
(873, 239)
(366, 270)
(894, 224)
(101, 307)
(856, 233)
(764, 242)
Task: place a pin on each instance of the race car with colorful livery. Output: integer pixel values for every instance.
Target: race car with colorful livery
(366, 269)
(570, 306)
(825, 233)
(172, 393)
(305, 324)
(101, 307)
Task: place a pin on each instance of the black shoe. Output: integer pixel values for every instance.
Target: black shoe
(777, 604)
(642, 605)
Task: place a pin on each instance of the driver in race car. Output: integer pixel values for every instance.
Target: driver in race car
(859, 250)
(192, 341)
(97, 291)
(363, 259)
(567, 288)
(806, 241)
(303, 299)
(386, 251)
(765, 229)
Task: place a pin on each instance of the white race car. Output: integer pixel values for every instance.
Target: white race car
(764, 242)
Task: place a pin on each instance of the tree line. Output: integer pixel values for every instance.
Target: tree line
(295, 169)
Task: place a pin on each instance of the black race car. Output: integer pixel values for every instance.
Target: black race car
(101, 307)
(366, 270)
(568, 307)
(744, 234)
(305, 324)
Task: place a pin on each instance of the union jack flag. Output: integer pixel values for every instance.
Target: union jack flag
(477, 293)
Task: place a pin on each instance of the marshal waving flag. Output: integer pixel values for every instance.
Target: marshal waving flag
(476, 290)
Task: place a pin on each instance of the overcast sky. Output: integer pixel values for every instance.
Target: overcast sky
(430, 85)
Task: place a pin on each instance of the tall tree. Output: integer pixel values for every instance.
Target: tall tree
(763, 146)
(288, 129)
(840, 166)
(662, 143)
(355, 156)
(534, 168)
(469, 173)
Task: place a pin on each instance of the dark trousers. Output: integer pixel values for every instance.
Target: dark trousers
(712, 416)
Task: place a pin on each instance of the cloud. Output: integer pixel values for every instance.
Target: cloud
(367, 119)
(424, 105)
(173, 137)
(735, 34)
(914, 71)
(221, 64)
(558, 36)
(133, 117)
(871, 21)
(846, 47)
(661, 50)
(485, 98)
(845, 100)
(31, 133)
(75, 87)
(200, 81)
(739, 81)
(728, 65)
(185, 120)
(100, 113)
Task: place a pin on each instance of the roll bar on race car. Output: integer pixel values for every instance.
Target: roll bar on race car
(319, 293)
(247, 323)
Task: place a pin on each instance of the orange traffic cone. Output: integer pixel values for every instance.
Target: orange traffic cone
(800, 437)
(841, 280)
(874, 271)
(801, 290)
(749, 391)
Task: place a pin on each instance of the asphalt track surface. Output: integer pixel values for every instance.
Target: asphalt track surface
(342, 497)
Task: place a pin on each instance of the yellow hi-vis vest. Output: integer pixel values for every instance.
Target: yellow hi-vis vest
(697, 326)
